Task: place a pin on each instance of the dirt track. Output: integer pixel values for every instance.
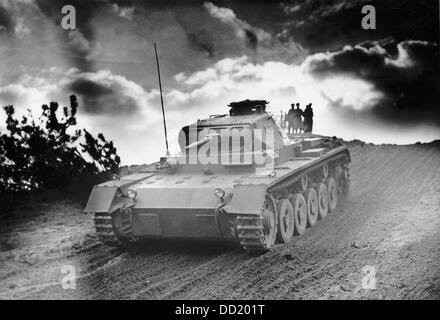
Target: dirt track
(390, 221)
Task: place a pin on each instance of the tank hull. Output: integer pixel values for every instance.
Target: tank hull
(184, 205)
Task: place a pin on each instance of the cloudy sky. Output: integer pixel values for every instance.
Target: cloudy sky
(379, 86)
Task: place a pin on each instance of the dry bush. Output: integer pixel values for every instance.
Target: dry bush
(49, 153)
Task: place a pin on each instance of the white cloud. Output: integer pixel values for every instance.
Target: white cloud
(124, 12)
(209, 91)
(17, 93)
(21, 29)
(403, 59)
(239, 78)
(228, 16)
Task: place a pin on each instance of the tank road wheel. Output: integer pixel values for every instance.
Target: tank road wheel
(312, 207)
(286, 221)
(270, 222)
(332, 194)
(300, 213)
(322, 200)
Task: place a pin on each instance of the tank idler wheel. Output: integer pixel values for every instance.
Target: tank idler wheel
(325, 170)
(286, 221)
(312, 207)
(322, 200)
(122, 227)
(300, 212)
(270, 223)
(332, 189)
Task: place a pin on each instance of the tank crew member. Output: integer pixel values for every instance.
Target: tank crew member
(297, 120)
(308, 118)
(290, 116)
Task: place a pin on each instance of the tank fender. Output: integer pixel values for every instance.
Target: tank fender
(110, 196)
(348, 154)
(105, 199)
(247, 199)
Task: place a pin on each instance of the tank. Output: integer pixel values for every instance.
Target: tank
(238, 177)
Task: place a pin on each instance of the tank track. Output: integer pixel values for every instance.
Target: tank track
(250, 232)
(105, 230)
(249, 228)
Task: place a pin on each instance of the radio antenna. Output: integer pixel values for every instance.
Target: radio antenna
(161, 100)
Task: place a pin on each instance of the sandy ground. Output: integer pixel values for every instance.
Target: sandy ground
(388, 227)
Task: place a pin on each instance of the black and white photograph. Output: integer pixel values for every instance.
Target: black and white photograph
(219, 150)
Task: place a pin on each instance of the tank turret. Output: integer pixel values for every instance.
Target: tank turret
(247, 107)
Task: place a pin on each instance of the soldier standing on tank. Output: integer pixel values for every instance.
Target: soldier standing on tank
(290, 117)
(308, 118)
(297, 120)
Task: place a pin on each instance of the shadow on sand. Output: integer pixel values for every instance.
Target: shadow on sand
(182, 246)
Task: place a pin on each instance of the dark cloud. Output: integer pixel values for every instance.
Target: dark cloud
(202, 42)
(6, 22)
(102, 99)
(331, 24)
(251, 38)
(408, 80)
(205, 32)
(78, 43)
(89, 88)
(217, 32)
